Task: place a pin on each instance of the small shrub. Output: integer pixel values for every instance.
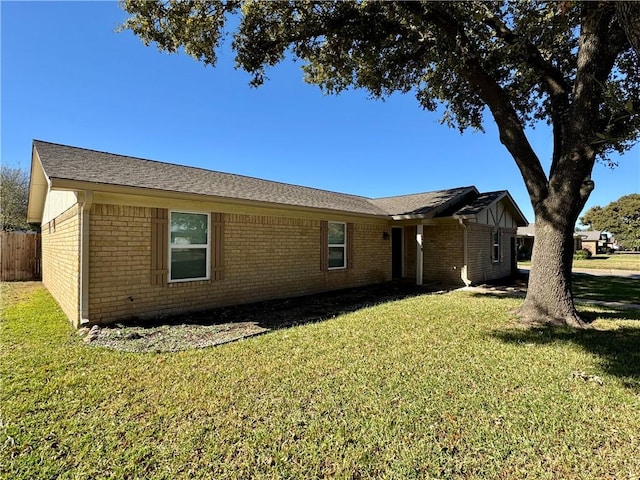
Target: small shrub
(582, 254)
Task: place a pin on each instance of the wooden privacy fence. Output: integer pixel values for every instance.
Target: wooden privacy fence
(20, 256)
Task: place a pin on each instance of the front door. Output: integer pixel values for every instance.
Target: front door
(396, 252)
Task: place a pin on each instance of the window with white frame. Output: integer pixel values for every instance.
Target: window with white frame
(496, 245)
(189, 249)
(337, 245)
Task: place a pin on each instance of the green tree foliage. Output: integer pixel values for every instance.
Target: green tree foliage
(14, 196)
(570, 64)
(620, 218)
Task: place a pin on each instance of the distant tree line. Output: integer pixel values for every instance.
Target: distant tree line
(14, 198)
(620, 218)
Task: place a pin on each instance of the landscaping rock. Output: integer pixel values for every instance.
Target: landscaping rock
(93, 334)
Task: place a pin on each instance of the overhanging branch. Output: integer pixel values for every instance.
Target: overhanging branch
(510, 128)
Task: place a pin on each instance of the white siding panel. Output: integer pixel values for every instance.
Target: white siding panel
(57, 202)
(497, 216)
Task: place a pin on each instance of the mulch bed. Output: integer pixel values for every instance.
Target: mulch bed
(208, 328)
(222, 325)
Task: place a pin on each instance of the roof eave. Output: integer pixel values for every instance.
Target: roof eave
(39, 185)
(517, 210)
(444, 206)
(77, 185)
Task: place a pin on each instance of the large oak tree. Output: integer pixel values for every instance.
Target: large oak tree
(570, 64)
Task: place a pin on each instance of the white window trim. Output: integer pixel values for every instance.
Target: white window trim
(496, 258)
(343, 245)
(207, 245)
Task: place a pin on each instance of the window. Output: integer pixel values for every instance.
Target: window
(496, 245)
(189, 253)
(337, 245)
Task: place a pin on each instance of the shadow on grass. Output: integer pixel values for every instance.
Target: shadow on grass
(619, 349)
(276, 314)
(208, 328)
(607, 288)
(602, 288)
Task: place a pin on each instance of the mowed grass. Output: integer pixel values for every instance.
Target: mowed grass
(606, 288)
(616, 261)
(433, 386)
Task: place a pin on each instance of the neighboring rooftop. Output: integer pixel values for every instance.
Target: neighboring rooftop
(591, 235)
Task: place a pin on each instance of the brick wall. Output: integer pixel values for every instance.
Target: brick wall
(480, 245)
(591, 246)
(61, 261)
(443, 251)
(265, 257)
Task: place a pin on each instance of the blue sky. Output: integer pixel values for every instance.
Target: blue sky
(68, 77)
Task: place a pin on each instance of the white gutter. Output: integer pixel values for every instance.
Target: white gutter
(419, 253)
(86, 200)
(464, 273)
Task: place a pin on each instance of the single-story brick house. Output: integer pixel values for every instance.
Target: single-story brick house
(594, 241)
(126, 237)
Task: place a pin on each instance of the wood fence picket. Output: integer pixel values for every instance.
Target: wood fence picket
(20, 256)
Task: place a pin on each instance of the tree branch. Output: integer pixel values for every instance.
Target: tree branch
(552, 78)
(511, 131)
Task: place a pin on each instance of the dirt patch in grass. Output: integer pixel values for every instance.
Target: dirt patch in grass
(15, 292)
(222, 325)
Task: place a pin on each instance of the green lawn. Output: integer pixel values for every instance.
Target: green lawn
(616, 261)
(433, 386)
(606, 288)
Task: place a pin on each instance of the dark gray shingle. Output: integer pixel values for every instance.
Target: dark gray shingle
(79, 164)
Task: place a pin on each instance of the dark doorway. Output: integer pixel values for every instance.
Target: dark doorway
(514, 256)
(396, 252)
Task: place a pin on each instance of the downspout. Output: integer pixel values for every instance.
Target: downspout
(86, 200)
(419, 253)
(464, 273)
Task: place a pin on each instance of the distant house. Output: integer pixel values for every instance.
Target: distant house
(526, 236)
(126, 237)
(594, 241)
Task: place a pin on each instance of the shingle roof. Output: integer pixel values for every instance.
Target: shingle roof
(422, 203)
(530, 231)
(82, 165)
(79, 164)
(481, 202)
(590, 235)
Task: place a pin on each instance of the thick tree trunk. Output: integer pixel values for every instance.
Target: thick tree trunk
(549, 300)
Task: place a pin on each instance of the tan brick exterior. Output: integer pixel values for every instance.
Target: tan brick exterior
(479, 254)
(266, 257)
(592, 246)
(443, 253)
(61, 261)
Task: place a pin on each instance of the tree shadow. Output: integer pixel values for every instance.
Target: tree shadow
(592, 287)
(284, 313)
(619, 349)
